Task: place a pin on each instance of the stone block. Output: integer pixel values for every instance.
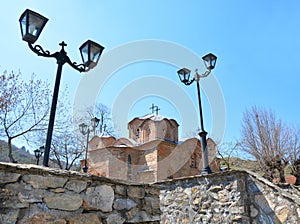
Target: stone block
(115, 219)
(124, 204)
(8, 177)
(76, 185)
(136, 192)
(26, 197)
(42, 218)
(87, 218)
(8, 216)
(153, 203)
(99, 198)
(44, 182)
(65, 202)
(283, 214)
(121, 190)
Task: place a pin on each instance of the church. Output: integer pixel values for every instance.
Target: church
(151, 153)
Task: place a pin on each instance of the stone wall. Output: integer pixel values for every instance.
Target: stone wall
(219, 198)
(231, 197)
(37, 195)
(271, 204)
(33, 194)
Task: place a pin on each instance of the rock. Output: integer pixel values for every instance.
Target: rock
(99, 198)
(215, 188)
(121, 204)
(115, 219)
(130, 214)
(76, 185)
(283, 214)
(29, 198)
(42, 218)
(9, 216)
(59, 190)
(140, 216)
(253, 211)
(87, 218)
(44, 182)
(120, 189)
(14, 203)
(152, 203)
(152, 190)
(8, 177)
(64, 202)
(237, 218)
(136, 192)
(214, 195)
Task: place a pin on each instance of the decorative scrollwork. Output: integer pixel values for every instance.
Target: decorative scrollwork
(60, 56)
(39, 49)
(80, 67)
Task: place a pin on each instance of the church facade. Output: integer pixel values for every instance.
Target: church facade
(151, 152)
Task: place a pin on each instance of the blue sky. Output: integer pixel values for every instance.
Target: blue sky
(257, 44)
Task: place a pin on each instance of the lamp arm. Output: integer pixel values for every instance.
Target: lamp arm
(198, 76)
(41, 52)
(78, 67)
(45, 53)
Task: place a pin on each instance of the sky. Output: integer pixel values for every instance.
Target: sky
(256, 42)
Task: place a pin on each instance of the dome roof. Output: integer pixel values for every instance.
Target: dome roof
(153, 117)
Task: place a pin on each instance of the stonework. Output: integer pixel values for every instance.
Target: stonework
(36, 195)
(78, 198)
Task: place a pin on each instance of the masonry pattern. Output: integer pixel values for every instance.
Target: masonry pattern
(36, 195)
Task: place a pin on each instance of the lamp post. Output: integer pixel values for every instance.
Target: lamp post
(38, 153)
(85, 130)
(184, 76)
(32, 24)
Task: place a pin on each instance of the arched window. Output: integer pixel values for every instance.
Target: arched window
(193, 161)
(137, 133)
(129, 160)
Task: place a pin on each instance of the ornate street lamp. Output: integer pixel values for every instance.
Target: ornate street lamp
(184, 76)
(32, 24)
(38, 154)
(85, 130)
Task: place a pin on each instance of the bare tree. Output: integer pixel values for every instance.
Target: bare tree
(267, 139)
(25, 109)
(8, 88)
(294, 153)
(67, 142)
(103, 113)
(67, 147)
(227, 151)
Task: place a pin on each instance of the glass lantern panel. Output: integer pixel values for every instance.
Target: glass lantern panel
(85, 53)
(35, 25)
(23, 26)
(94, 53)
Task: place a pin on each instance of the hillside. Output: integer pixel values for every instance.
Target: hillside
(20, 155)
(238, 163)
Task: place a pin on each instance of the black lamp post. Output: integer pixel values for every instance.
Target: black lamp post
(184, 76)
(85, 130)
(32, 24)
(38, 153)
